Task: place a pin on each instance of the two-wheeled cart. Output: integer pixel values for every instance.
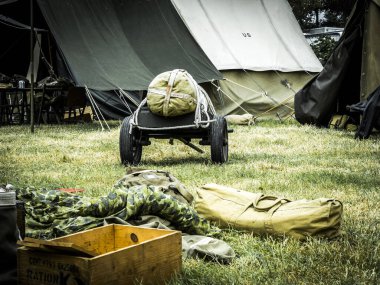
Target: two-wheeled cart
(203, 124)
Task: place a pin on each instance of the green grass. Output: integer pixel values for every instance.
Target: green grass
(283, 159)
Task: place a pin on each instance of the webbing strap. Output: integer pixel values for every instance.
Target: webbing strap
(169, 89)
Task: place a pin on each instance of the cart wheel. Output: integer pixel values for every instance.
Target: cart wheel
(130, 149)
(219, 140)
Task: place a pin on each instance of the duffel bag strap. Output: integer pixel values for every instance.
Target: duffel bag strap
(169, 89)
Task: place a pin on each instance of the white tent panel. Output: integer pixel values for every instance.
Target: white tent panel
(254, 35)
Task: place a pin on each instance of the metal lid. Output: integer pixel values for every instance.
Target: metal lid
(7, 198)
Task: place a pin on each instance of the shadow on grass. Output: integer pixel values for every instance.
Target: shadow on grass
(244, 157)
(87, 126)
(176, 161)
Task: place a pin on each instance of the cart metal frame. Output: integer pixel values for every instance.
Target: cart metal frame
(137, 130)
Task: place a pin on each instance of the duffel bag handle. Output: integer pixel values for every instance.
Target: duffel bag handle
(275, 201)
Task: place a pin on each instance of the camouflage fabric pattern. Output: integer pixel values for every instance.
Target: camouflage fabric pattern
(166, 182)
(52, 213)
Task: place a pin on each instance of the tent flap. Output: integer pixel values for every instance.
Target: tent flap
(343, 82)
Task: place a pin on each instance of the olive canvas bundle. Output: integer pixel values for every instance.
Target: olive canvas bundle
(262, 214)
(246, 119)
(173, 93)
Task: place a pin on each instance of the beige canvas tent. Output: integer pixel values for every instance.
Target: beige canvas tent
(259, 48)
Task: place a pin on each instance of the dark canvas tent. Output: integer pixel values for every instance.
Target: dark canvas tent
(113, 46)
(123, 44)
(351, 74)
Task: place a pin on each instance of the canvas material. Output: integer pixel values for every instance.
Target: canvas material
(261, 214)
(350, 74)
(338, 121)
(250, 35)
(246, 119)
(258, 50)
(207, 248)
(109, 45)
(262, 93)
(171, 94)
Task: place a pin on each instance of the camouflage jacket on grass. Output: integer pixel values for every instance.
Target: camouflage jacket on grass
(52, 213)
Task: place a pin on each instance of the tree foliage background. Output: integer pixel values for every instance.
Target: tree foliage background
(319, 13)
(323, 48)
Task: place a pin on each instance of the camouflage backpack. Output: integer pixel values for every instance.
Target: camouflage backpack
(164, 181)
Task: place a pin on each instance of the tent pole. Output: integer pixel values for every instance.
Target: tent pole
(31, 67)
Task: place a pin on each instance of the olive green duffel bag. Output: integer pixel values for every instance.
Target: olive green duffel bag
(262, 214)
(172, 93)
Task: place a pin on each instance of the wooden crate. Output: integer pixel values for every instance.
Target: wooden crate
(113, 254)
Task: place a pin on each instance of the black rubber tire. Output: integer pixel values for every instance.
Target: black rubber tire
(130, 149)
(219, 140)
